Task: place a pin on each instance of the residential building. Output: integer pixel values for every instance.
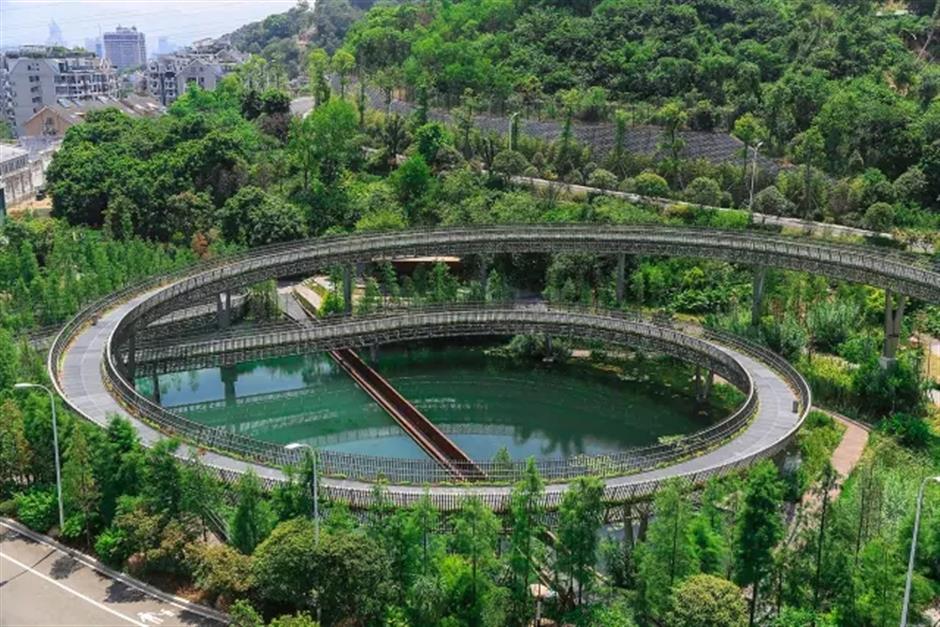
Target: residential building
(53, 120)
(203, 64)
(16, 178)
(125, 48)
(28, 82)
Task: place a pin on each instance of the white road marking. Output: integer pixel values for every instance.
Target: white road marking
(74, 592)
(121, 578)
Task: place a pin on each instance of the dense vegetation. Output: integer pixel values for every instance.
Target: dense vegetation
(834, 87)
(841, 90)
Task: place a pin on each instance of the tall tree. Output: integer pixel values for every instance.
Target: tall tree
(580, 516)
(525, 513)
(252, 521)
(15, 453)
(759, 529)
(79, 488)
(667, 555)
(476, 530)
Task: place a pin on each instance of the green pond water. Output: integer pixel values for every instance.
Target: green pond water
(483, 402)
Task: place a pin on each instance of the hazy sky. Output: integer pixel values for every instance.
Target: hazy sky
(27, 21)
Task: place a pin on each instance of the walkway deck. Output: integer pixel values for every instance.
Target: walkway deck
(419, 428)
(83, 388)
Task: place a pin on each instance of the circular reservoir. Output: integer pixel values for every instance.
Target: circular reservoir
(484, 402)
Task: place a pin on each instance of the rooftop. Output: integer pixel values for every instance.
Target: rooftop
(8, 152)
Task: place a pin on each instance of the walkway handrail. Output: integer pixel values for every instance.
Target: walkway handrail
(401, 471)
(909, 274)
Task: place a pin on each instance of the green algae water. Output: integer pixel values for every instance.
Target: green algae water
(483, 402)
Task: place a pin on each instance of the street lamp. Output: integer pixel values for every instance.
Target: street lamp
(55, 444)
(910, 562)
(750, 200)
(295, 446)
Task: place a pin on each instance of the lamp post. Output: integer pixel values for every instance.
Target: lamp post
(750, 200)
(910, 562)
(55, 444)
(294, 446)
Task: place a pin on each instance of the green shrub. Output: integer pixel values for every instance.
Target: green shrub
(604, 179)
(771, 201)
(651, 184)
(112, 547)
(883, 390)
(910, 430)
(787, 337)
(832, 322)
(879, 217)
(37, 508)
(509, 163)
(830, 378)
(703, 191)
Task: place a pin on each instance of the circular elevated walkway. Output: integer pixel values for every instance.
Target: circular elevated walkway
(780, 411)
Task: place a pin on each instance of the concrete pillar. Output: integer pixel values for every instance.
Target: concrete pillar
(621, 264)
(628, 530)
(548, 345)
(374, 353)
(347, 288)
(221, 310)
(229, 376)
(894, 314)
(484, 277)
(156, 388)
(644, 525)
(760, 273)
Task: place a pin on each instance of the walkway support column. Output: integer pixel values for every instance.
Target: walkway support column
(757, 302)
(223, 306)
(155, 381)
(347, 289)
(484, 277)
(894, 314)
(621, 265)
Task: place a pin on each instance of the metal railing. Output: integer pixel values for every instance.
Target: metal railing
(439, 321)
(914, 275)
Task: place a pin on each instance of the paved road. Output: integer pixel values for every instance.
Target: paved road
(42, 585)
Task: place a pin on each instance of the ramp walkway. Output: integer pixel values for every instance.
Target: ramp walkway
(419, 428)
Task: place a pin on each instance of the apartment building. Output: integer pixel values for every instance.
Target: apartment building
(28, 82)
(202, 64)
(125, 48)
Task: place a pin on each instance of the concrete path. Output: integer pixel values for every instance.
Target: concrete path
(41, 584)
(844, 459)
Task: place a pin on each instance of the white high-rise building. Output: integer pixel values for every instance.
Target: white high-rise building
(125, 48)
